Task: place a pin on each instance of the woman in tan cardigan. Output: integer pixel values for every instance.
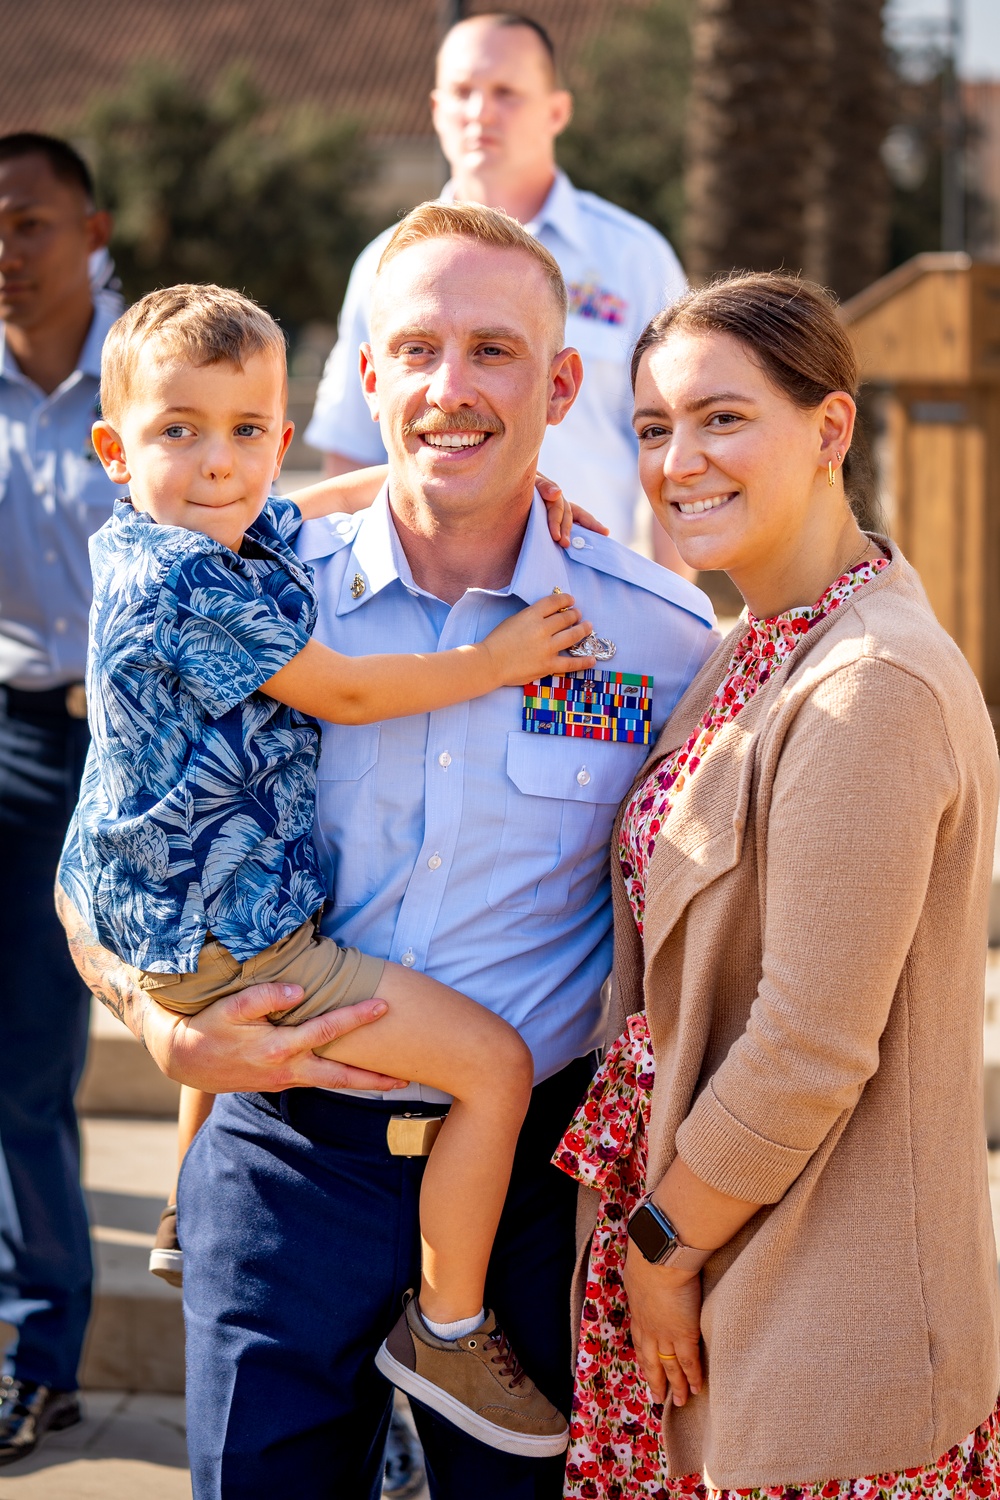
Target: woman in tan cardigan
(794, 1074)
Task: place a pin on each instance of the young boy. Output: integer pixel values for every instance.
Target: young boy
(190, 852)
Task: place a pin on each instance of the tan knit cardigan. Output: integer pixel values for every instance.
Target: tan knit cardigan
(813, 976)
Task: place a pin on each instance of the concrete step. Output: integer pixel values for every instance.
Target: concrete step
(135, 1341)
(120, 1077)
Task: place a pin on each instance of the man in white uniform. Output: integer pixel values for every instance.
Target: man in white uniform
(497, 112)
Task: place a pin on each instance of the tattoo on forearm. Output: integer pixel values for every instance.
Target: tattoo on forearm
(102, 972)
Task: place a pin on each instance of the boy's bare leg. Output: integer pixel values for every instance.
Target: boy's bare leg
(443, 1039)
(195, 1108)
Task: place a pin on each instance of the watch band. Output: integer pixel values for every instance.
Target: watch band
(686, 1258)
(675, 1253)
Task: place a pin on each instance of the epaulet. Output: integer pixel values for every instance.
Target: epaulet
(607, 556)
(326, 535)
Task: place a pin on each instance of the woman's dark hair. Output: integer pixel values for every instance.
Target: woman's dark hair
(791, 328)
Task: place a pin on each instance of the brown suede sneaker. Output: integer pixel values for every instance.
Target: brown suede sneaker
(475, 1382)
(166, 1259)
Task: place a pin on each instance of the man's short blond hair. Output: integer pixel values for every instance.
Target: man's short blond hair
(204, 324)
(486, 226)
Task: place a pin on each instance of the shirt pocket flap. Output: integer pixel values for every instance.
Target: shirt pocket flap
(348, 752)
(571, 770)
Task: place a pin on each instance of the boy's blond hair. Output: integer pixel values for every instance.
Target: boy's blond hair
(470, 221)
(202, 323)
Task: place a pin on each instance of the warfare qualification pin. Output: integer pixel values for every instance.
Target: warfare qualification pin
(592, 645)
(357, 587)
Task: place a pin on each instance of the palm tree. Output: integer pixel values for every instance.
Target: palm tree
(851, 196)
(753, 131)
(789, 107)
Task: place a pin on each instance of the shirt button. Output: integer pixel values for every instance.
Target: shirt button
(408, 959)
(434, 863)
(578, 543)
(444, 760)
(43, 420)
(50, 556)
(343, 527)
(60, 626)
(40, 486)
(583, 776)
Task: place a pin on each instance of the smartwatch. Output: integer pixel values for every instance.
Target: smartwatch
(657, 1240)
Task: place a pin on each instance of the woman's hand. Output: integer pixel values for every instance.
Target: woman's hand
(665, 1308)
(562, 515)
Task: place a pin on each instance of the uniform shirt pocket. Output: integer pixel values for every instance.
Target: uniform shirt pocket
(345, 830)
(560, 803)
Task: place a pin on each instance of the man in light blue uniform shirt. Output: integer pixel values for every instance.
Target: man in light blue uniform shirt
(497, 112)
(461, 842)
(53, 495)
(494, 879)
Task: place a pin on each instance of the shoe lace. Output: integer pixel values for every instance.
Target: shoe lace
(504, 1356)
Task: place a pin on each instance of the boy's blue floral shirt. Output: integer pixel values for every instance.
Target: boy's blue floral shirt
(197, 801)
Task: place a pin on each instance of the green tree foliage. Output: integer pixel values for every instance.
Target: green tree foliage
(626, 140)
(225, 189)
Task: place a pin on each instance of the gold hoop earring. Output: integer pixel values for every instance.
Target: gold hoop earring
(829, 474)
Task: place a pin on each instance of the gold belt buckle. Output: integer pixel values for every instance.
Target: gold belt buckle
(412, 1135)
(76, 700)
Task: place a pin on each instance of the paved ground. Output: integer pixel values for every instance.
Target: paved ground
(129, 1446)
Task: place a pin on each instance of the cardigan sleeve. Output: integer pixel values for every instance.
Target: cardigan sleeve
(865, 775)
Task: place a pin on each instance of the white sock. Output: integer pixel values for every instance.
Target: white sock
(457, 1330)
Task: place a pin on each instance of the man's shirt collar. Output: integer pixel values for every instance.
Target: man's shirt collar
(560, 211)
(89, 362)
(377, 559)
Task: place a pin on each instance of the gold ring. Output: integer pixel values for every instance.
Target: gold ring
(667, 1356)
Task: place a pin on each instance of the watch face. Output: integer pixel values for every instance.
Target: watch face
(649, 1234)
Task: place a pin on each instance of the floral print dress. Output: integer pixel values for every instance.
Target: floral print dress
(614, 1450)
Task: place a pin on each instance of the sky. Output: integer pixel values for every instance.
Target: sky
(981, 46)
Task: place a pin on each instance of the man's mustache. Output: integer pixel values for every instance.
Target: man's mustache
(458, 421)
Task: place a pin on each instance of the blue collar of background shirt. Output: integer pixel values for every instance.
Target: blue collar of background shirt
(560, 211)
(89, 362)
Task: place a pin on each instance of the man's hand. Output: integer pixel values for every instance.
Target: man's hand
(665, 1308)
(230, 1046)
(562, 516)
(529, 644)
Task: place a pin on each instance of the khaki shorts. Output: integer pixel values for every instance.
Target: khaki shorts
(331, 976)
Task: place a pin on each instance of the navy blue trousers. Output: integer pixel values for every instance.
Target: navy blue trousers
(45, 1265)
(300, 1236)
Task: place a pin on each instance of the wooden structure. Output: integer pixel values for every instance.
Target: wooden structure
(928, 340)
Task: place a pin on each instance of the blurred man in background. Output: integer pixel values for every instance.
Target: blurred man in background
(53, 495)
(497, 111)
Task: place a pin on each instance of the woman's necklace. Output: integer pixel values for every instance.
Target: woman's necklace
(865, 550)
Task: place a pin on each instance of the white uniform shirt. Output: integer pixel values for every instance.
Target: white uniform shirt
(619, 271)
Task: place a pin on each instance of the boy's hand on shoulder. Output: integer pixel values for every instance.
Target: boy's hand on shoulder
(528, 644)
(562, 516)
